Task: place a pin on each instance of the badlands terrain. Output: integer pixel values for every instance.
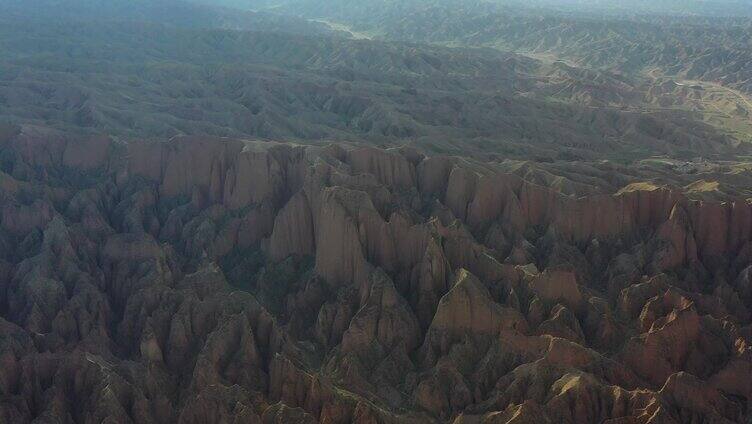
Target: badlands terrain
(433, 211)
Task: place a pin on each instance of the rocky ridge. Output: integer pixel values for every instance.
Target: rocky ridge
(214, 280)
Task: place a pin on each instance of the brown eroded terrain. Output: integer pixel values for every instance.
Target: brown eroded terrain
(214, 280)
(375, 211)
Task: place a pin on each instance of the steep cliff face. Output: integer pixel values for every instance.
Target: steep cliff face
(212, 280)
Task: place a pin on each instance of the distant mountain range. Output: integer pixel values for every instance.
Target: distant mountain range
(169, 67)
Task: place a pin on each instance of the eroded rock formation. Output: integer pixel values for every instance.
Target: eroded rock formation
(209, 280)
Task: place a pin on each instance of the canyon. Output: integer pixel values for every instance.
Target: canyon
(204, 279)
(375, 211)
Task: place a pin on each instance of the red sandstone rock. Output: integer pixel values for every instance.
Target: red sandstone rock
(441, 290)
(293, 229)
